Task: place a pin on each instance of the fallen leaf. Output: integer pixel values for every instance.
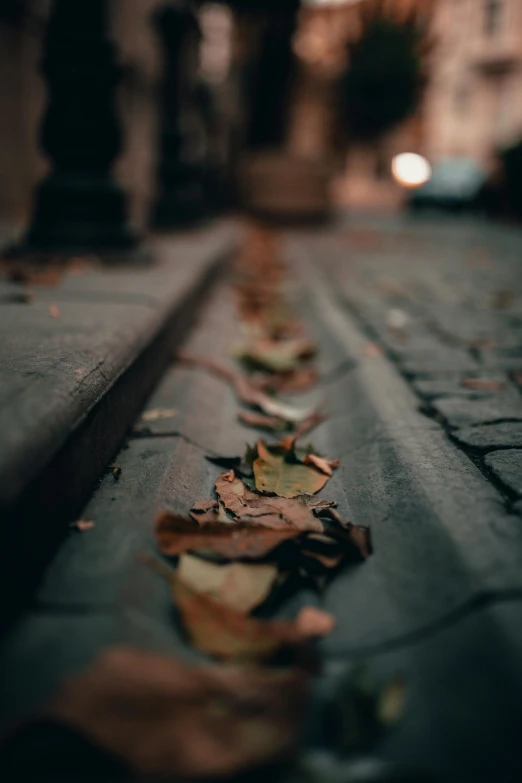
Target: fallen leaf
(54, 311)
(276, 355)
(359, 536)
(502, 300)
(315, 503)
(392, 701)
(315, 622)
(482, 384)
(289, 413)
(116, 471)
(50, 276)
(246, 392)
(168, 720)
(238, 585)
(326, 466)
(233, 493)
(273, 512)
(362, 710)
(275, 473)
(83, 525)
(156, 414)
(309, 423)
(209, 512)
(326, 561)
(300, 380)
(176, 536)
(227, 634)
(261, 421)
(372, 351)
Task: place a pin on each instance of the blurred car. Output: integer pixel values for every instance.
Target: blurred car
(455, 185)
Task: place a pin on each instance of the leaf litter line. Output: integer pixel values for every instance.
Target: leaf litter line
(265, 531)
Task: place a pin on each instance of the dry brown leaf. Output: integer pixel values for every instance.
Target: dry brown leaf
(274, 473)
(54, 311)
(317, 504)
(326, 466)
(315, 622)
(83, 525)
(482, 384)
(167, 720)
(309, 423)
(238, 585)
(294, 382)
(277, 513)
(245, 391)
(209, 512)
(327, 561)
(392, 699)
(372, 351)
(227, 634)
(157, 414)
(176, 536)
(49, 276)
(261, 421)
(276, 355)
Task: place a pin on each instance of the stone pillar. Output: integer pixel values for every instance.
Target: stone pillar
(79, 207)
(181, 154)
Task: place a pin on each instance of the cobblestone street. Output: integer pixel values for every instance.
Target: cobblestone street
(443, 299)
(419, 331)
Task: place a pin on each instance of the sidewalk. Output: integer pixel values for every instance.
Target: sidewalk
(78, 359)
(402, 314)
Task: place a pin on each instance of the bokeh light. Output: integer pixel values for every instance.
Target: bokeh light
(411, 170)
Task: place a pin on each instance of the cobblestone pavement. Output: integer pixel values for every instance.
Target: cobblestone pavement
(443, 300)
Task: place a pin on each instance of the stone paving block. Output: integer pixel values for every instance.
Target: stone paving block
(70, 360)
(102, 567)
(491, 436)
(442, 359)
(460, 412)
(149, 283)
(205, 407)
(452, 386)
(45, 647)
(507, 467)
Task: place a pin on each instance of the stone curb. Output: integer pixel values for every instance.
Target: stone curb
(95, 367)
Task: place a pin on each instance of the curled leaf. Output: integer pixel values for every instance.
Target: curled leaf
(167, 720)
(261, 421)
(483, 384)
(238, 585)
(249, 507)
(315, 622)
(288, 478)
(227, 634)
(176, 536)
(157, 414)
(326, 466)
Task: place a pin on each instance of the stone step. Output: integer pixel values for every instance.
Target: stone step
(440, 601)
(78, 360)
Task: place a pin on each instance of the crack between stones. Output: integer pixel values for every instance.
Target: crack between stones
(474, 604)
(424, 407)
(136, 435)
(470, 607)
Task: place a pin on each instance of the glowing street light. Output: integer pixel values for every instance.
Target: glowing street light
(411, 170)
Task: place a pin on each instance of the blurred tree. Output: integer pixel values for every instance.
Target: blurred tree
(383, 82)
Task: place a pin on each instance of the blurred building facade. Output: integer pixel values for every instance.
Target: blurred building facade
(364, 174)
(474, 103)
